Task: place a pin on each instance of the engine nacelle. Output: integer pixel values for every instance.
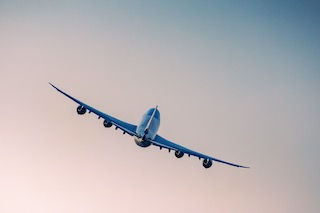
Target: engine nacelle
(207, 163)
(81, 110)
(178, 154)
(107, 124)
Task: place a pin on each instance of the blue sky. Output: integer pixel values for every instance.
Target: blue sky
(238, 80)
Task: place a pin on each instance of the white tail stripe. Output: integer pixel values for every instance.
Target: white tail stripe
(151, 118)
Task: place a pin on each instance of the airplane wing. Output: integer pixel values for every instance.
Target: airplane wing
(164, 143)
(125, 127)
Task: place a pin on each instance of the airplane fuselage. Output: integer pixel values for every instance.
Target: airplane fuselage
(148, 127)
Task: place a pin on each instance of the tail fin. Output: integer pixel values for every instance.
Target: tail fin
(150, 120)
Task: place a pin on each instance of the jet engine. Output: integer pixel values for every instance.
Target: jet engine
(207, 163)
(178, 154)
(107, 124)
(81, 110)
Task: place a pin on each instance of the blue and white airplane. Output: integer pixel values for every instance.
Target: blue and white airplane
(145, 134)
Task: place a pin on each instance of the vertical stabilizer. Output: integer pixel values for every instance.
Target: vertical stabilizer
(150, 120)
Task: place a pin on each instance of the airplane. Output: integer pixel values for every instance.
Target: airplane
(145, 134)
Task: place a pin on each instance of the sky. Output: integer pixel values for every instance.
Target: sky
(237, 80)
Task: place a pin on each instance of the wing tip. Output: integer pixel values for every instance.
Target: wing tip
(51, 84)
(54, 86)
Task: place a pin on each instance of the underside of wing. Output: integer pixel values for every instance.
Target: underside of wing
(108, 120)
(180, 151)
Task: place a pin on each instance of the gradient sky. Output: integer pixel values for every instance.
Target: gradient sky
(238, 80)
